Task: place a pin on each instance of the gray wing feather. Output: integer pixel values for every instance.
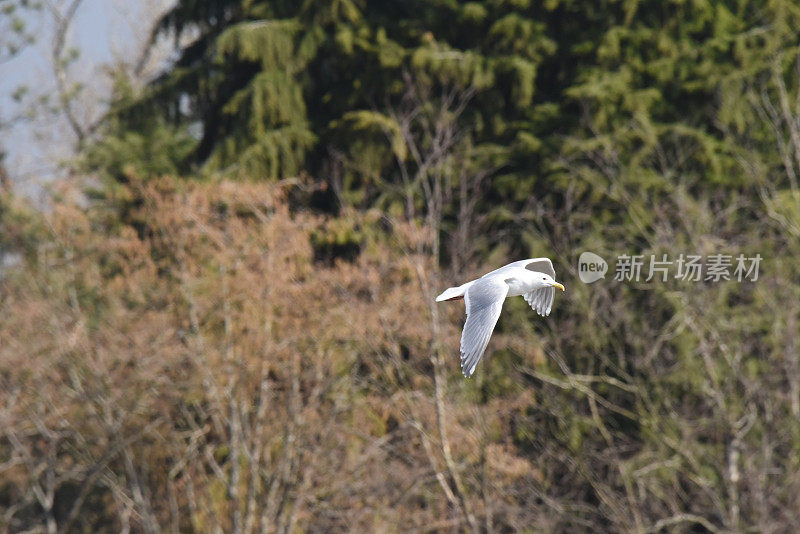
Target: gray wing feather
(484, 302)
(542, 265)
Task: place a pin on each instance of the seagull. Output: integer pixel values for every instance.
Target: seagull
(533, 278)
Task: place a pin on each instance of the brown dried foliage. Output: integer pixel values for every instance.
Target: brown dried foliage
(206, 371)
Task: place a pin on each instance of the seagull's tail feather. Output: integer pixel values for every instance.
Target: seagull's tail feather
(454, 293)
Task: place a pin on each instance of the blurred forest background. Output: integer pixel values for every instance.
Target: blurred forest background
(222, 317)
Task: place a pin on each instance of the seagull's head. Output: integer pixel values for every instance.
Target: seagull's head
(545, 280)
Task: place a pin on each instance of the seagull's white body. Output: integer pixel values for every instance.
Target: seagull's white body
(533, 278)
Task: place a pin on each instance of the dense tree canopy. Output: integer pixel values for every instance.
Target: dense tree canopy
(548, 96)
(270, 219)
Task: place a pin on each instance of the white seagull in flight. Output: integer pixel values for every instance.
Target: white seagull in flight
(534, 279)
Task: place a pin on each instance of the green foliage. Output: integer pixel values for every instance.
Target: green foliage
(443, 138)
(15, 31)
(132, 143)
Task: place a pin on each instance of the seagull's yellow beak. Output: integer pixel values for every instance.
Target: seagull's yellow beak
(559, 286)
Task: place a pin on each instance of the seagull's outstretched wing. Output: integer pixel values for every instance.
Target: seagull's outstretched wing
(484, 301)
(541, 300)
